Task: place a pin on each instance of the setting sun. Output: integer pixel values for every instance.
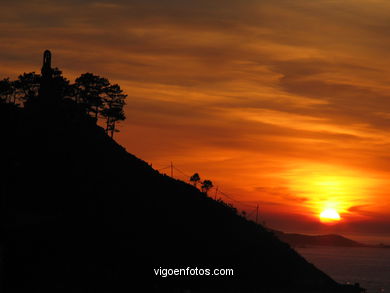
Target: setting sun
(329, 215)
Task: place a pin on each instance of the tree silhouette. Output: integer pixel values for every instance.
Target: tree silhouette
(195, 179)
(114, 101)
(27, 87)
(206, 186)
(62, 86)
(90, 91)
(7, 90)
(94, 93)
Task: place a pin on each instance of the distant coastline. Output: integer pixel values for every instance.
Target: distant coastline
(333, 240)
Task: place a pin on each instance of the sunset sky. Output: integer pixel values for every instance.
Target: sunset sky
(285, 104)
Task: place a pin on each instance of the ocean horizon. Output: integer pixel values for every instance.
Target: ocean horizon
(370, 267)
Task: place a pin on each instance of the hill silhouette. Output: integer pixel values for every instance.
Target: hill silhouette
(80, 214)
(295, 239)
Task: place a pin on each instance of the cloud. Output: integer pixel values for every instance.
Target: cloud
(282, 194)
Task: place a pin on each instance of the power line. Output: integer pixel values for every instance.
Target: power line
(237, 201)
(163, 168)
(251, 213)
(180, 171)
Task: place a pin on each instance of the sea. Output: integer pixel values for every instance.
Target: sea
(370, 267)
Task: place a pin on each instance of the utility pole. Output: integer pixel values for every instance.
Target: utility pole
(216, 193)
(257, 213)
(171, 169)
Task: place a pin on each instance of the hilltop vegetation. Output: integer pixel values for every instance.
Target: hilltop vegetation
(94, 95)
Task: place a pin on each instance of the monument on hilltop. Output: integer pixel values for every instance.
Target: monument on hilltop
(46, 89)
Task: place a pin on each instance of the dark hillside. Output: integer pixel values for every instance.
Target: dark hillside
(80, 214)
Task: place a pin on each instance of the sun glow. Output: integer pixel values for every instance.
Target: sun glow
(330, 193)
(329, 215)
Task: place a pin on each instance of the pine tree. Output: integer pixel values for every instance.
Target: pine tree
(114, 101)
(90, 91)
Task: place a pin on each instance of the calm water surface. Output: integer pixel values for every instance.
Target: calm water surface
(368, 266)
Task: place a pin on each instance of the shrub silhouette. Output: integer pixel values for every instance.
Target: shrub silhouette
(194, 179)
(206, 186)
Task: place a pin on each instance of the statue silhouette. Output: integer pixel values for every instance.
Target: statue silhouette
(46, 88)
(46, 68)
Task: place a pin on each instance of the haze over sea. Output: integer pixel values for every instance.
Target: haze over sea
(368, 266)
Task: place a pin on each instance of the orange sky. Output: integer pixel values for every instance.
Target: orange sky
(281, 103)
